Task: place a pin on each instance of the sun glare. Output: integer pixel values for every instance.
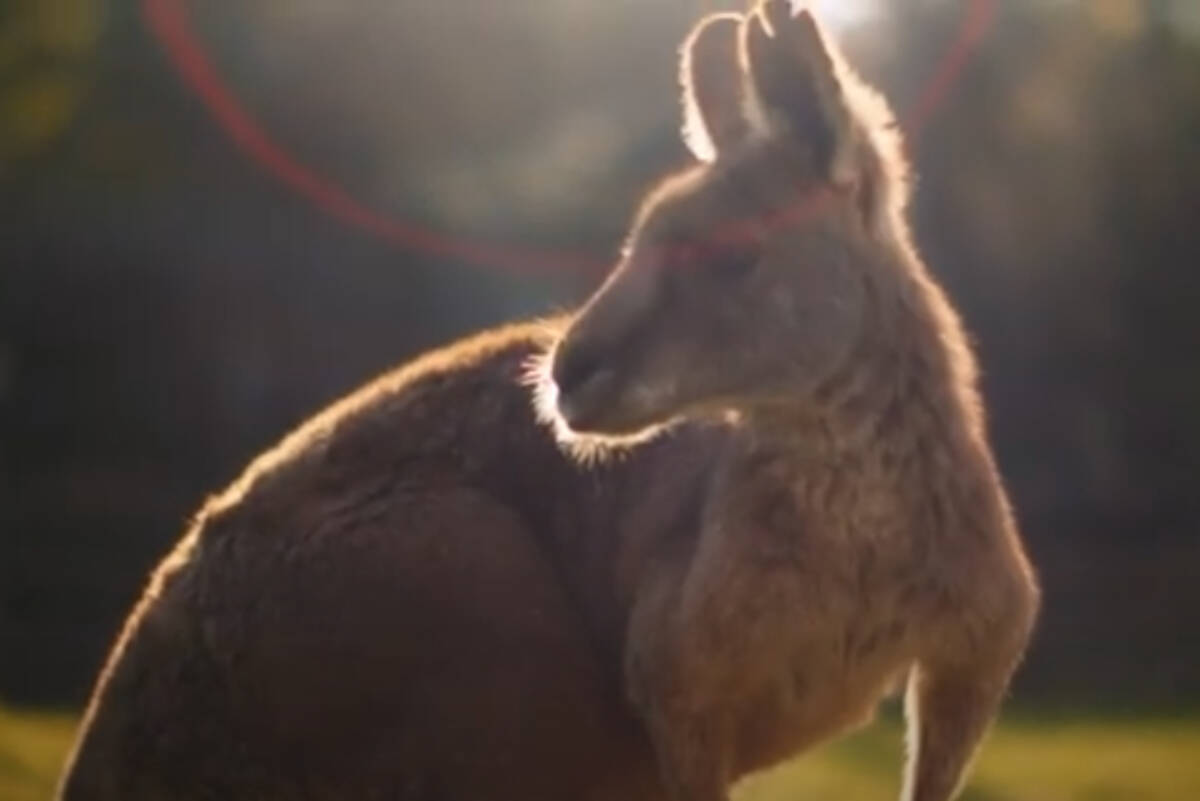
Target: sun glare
(844, 13)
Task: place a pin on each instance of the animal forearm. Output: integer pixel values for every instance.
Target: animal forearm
(947, 718)
(949, 707)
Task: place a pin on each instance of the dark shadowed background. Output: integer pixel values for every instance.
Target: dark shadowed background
(172, 301)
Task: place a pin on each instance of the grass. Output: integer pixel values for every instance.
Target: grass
(1067, 759)
(1071, 759)
(32, 749)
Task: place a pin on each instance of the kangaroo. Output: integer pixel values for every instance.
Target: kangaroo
(752, 494)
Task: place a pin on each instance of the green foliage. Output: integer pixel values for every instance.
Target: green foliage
(168, 307)
(46, 47)
(1072, 759)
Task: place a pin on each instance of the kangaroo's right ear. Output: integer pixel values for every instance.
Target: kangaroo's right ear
(713, 86)
(798, 84)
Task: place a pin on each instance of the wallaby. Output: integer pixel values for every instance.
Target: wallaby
(753, 493)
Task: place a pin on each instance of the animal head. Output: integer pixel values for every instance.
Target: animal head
(748, 279)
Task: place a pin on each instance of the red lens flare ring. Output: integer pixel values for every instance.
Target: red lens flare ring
(169, 23)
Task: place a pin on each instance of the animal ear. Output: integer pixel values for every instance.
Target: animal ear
(713, 86)
(795, 84)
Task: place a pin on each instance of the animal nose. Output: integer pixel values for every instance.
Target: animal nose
(586, 383)
(575, 363)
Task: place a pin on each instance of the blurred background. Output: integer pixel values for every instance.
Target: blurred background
(217, 216)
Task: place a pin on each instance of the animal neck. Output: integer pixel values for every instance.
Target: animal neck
(905, 396)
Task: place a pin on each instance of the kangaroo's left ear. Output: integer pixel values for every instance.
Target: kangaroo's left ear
(796, 82)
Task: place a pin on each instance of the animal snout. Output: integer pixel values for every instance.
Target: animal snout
(584, 381)
(574, 363)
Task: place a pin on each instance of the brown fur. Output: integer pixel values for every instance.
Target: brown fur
(422, 595)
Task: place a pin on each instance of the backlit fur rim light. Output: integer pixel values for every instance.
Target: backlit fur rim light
(583, 448)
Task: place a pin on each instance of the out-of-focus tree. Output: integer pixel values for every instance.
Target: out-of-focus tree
(47, 56)
(168, 307)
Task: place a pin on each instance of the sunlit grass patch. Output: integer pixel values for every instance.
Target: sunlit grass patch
(1073, 759)
(1143, 760)
(32, 749)
(1061, 759)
